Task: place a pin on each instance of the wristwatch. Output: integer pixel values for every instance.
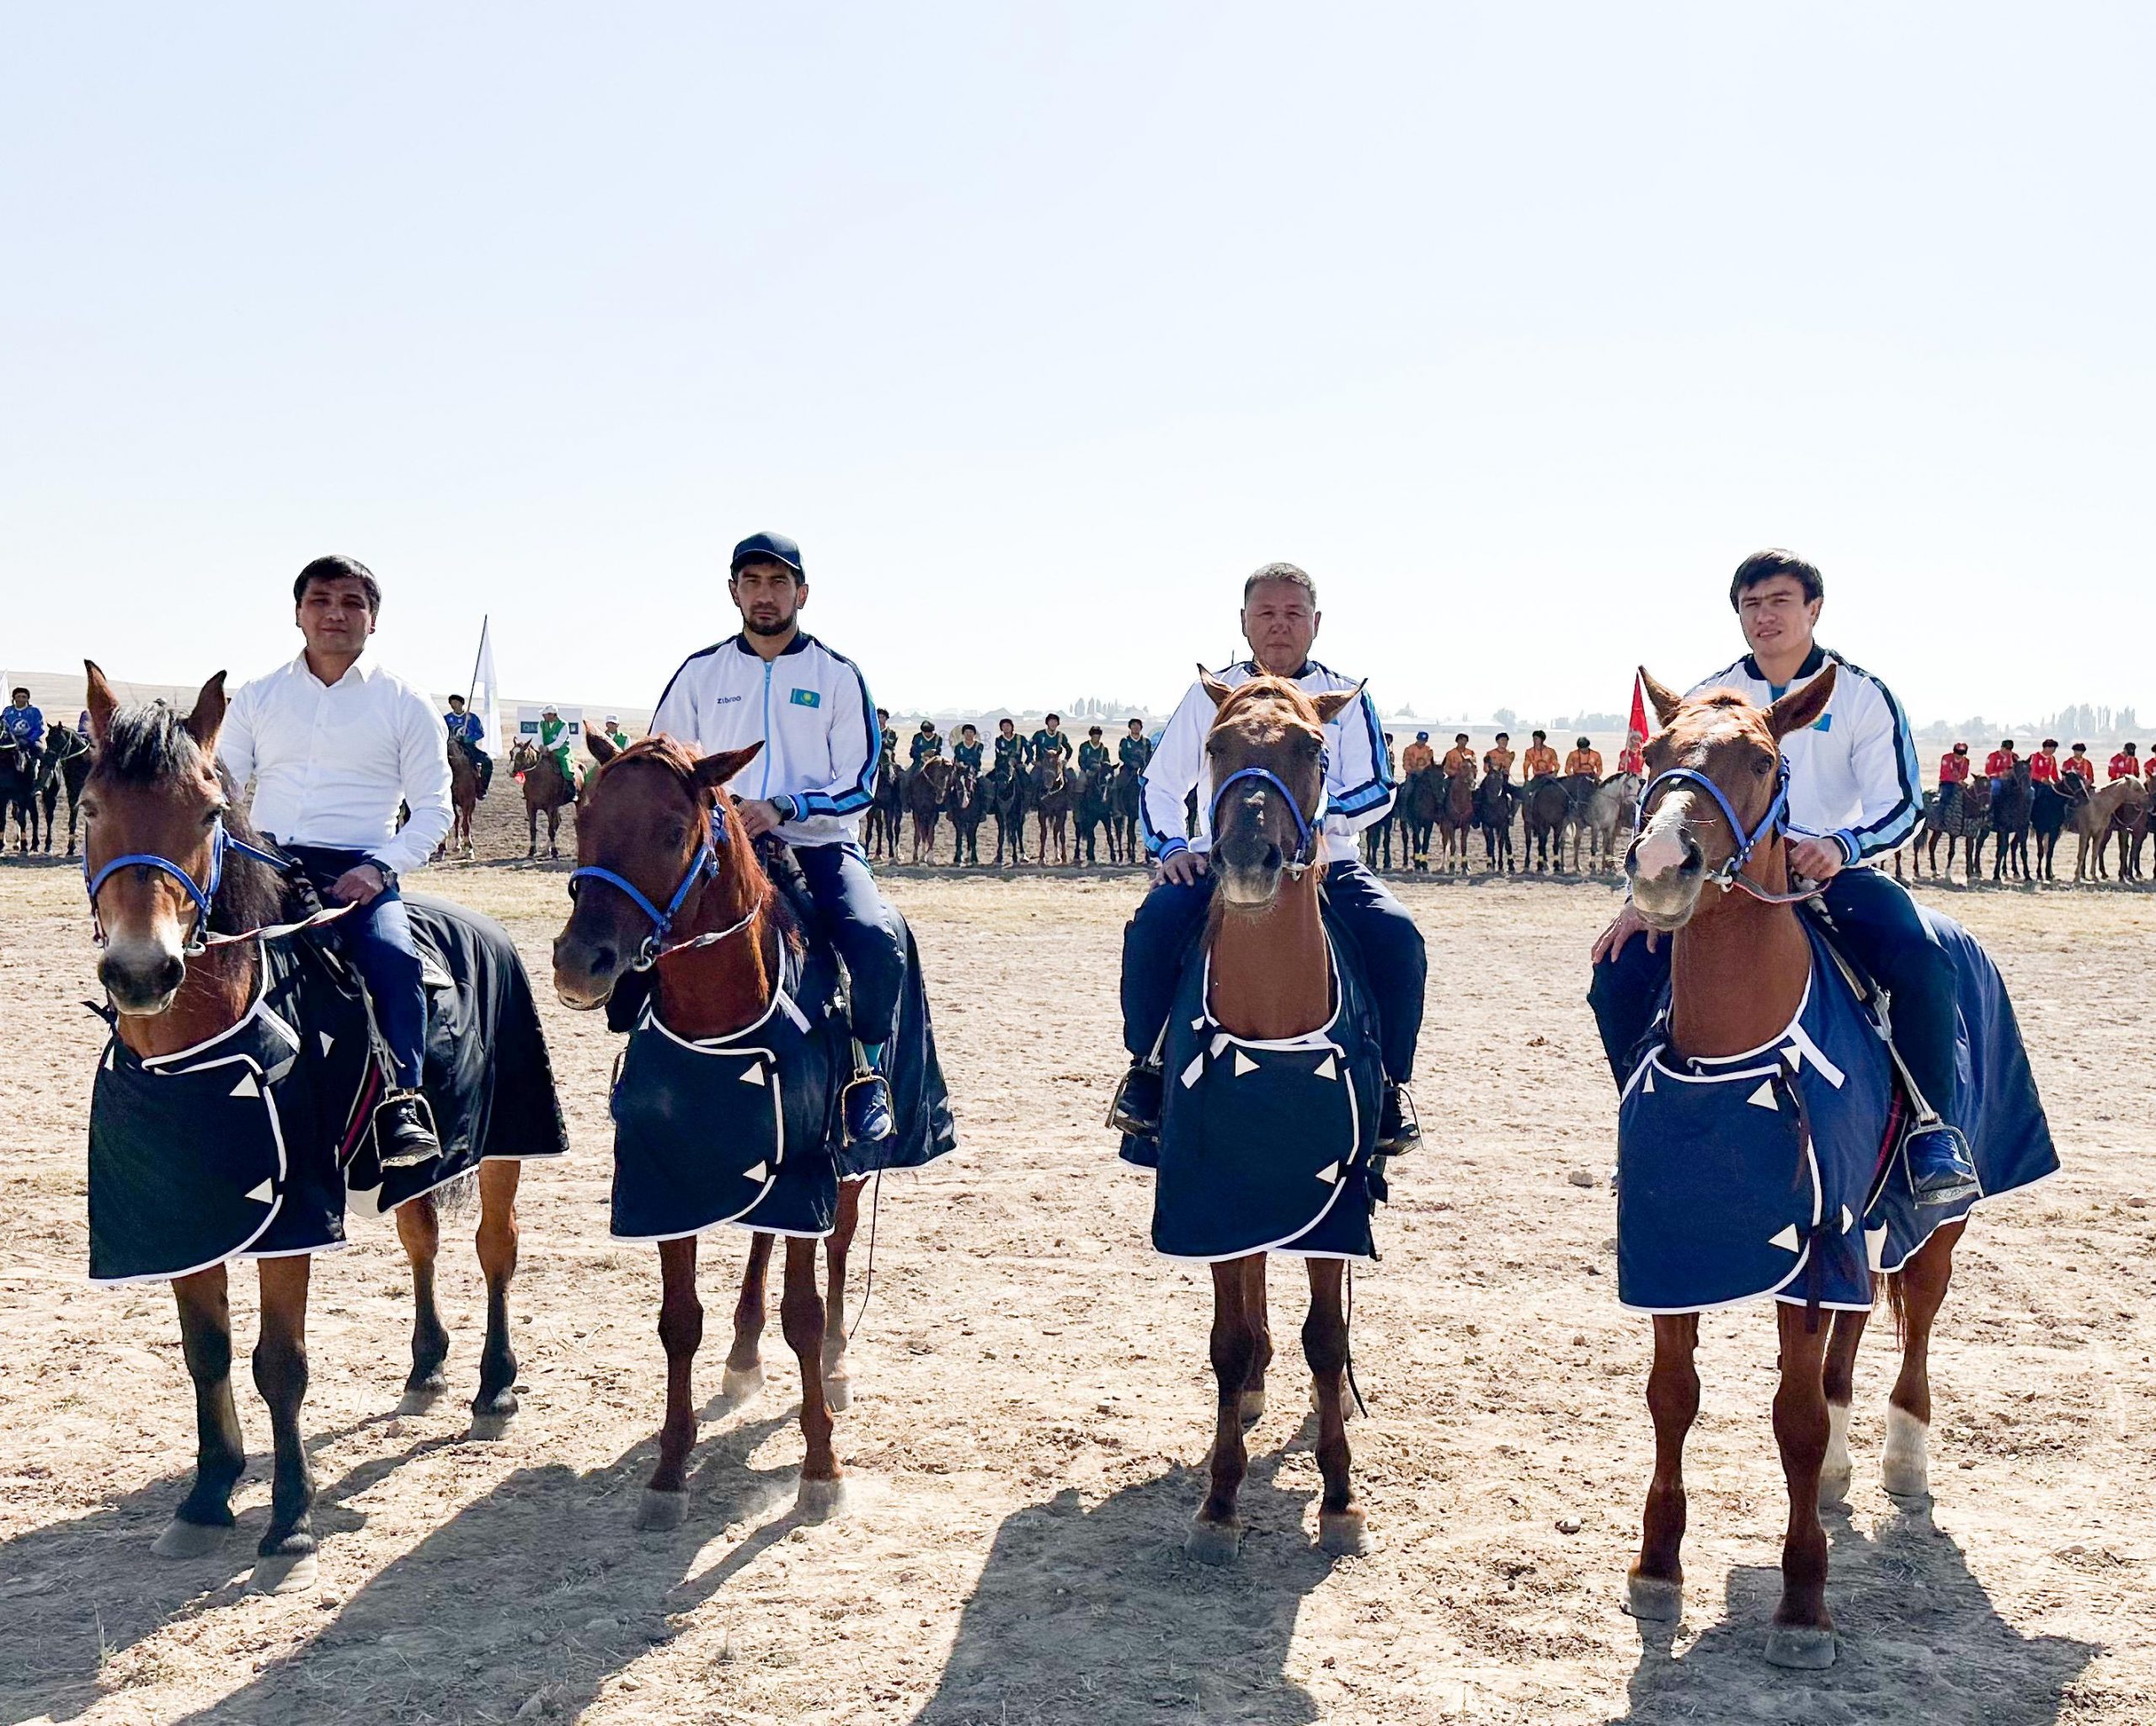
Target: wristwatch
(788, 809)
(388, 875)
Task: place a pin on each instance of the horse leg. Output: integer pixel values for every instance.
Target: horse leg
(554, 831)
(1839, 1379)
(418, 1226)
(285, 1561)
(531, 822)
(1802, 1634)
(1217, 1533)
(838, 1378)
(744, 1364)
(1905, 1469)
(802, 1316)
(496, 1402)
(1654, 1587)
(1252, 1404)
(1340, 1528)
(665, 1501)
(205, 1515)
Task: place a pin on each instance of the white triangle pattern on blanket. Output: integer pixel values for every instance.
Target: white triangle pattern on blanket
(1787, 1239)
(246, 1087)
(1195, 1070)
(1327, 1069)
(1329, 1172)
(107, 1060)
(1764, 1097)
(754, 1171)
(753, 1074)
(1244, 1064)
(264, 1194)
(328, 1042)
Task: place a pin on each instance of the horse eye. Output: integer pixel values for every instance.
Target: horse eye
(1758, 770)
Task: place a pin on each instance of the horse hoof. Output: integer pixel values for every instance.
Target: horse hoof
(658, 1511)
(817, 1499)
(1343, 1534)
(1654, 1599)
(838, 1391)
(492, 1423)
(422, 1400)
(1803, 1648)
(1252, 1409)
(737, 1384)
(189, 1540)
(1833, 1487)
(283, 1573)
(1214, 1542)
(1346, 1404)
(1904, 1469)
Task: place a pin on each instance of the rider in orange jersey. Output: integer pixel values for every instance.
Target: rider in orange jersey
(1498, 759)
(1584, 759)
(1418, 754)
(1460, 757)
(1541, 757)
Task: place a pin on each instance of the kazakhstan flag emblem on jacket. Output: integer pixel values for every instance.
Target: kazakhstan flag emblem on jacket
(808, 698)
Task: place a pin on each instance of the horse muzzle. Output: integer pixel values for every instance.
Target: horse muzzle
(142, 978)
(586, 968)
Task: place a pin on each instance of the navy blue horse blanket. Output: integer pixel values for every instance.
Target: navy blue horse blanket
(1268, 1146)
(1768, 1174)
(746, 1129)
(248, 1145)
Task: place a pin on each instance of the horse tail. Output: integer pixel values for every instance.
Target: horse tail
(1887, 1284)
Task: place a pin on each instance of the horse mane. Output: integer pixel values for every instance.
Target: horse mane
(1262, 690)
(150, 745)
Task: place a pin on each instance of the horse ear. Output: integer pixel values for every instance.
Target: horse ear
(100, 700)
(1214, 686)
(714, 771)
(208, 718)
(1335, 701)
(1664, 700)
(601, 745)
(1801, 707)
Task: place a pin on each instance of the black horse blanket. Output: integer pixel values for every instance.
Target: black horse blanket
(746, 1129)
(1769, 1173)
(1268, 1146)
(248, 1145)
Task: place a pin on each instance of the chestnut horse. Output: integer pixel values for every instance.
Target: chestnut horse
(1270, 966)
(1456, 818)
(644, 818)
(547, 790)
(1740, 970)
(156, 799)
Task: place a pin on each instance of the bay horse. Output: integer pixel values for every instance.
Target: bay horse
(1091, 814)
(1422, 799)
(1126, 801)
(67, 766)
(1051, 795)
(1006, 803)
(1495, 800)
(1547, 802)
(647, 821)
(18, 775)
(879, 834)
(1741, 971)
(2048, 809)
(926, 786)
(968, 802)
(2009, 822)
(183, 892)
(1456, 817)
(463, 802)
(548, 791)
(1267, 959)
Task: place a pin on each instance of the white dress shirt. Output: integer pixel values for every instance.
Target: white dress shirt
(331, 761)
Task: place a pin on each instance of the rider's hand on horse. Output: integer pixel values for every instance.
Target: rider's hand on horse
(760, 816)
(1183, 868)
(356, 886)
(1815, 859)
(1628, 923)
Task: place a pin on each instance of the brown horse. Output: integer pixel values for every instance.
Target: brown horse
(2096, 817)
(1740, 968)
(1270, 974)
(463, 802)
(1053, 794)
(644, 815)
(927, 786)
(548, 791)
(156, 790)
(1456, 818)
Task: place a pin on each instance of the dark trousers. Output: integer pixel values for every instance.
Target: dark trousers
(852, 916)
(376, 936)
(1169, 916)
(1878, 923)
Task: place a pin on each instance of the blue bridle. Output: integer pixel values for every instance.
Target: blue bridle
(205, 897)
(703, 867)
(1732, 872)
(1306, 832)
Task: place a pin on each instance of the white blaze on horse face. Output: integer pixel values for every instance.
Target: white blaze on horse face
(1662, 850)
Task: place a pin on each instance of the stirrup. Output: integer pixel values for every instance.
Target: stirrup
(1123, 1118)
(390, 1098)
(1407, 1134)
(1957, 1181)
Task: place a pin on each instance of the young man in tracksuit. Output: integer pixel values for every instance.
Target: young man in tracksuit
(774, 685)
(1855, 796)
(1280, 621)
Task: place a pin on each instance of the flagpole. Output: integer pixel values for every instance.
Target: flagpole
(472, 687)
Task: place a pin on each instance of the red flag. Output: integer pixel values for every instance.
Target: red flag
(1637, 732)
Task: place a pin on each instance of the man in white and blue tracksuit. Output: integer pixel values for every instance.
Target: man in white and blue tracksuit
(1854, 797)
(809, 708)
(1280, 621)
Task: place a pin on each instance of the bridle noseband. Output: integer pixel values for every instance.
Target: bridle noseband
(205, 897)
(1305, 825)
(1731, 871)
(703, 867)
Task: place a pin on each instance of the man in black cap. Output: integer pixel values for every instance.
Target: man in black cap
(774, 684)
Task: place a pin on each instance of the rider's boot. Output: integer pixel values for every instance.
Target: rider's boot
(1136, 1109)
(1398, 1132)
(403, 1131)
(867, 1103)
(1941, 1169)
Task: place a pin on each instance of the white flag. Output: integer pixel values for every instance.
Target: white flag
(485, 699)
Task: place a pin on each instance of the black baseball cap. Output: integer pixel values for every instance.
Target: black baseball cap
(775, 548)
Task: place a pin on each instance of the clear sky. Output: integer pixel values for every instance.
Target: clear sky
(1040, 325)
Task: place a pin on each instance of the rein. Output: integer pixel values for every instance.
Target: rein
(1732, 872)
(205, 897)
(1305, 829)
(703, 867)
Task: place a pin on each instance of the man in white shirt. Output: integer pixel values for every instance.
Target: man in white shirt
(1855, 795)
(333, 747)
(777, 684)
(1280, 621)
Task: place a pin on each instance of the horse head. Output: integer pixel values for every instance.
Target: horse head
(155, 851)
(1266, 753)
(1715, 794)
(654, 830)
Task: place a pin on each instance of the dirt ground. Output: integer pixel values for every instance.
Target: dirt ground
(1033, 1405)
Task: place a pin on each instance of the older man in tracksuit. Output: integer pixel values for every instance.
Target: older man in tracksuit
(1280, 621)
(1855, 796)
(775, 684)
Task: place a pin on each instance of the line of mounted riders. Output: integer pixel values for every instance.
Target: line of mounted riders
(38, 764)
(2007, 807)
